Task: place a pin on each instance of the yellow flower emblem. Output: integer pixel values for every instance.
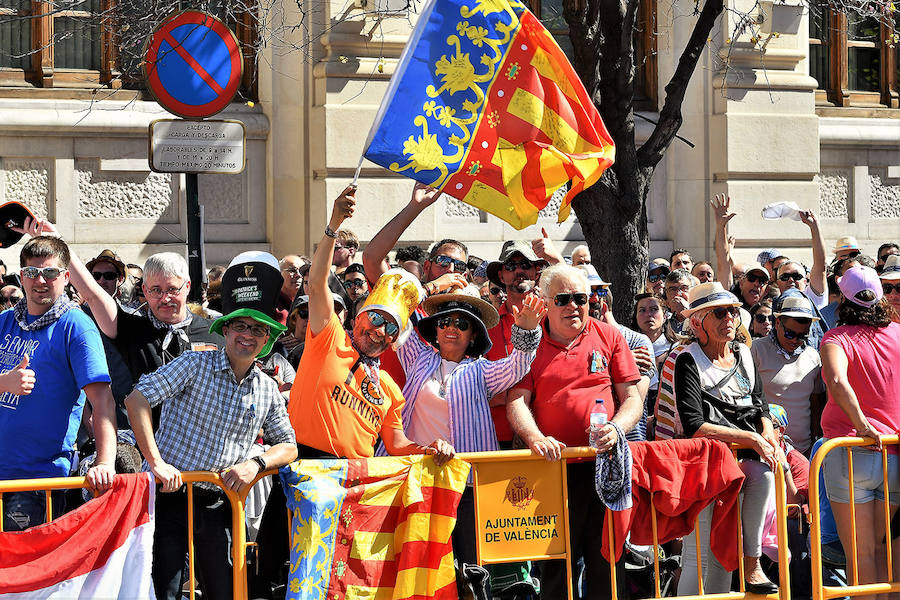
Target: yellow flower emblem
(425, 153)
(295, 586)
(446, 116)
(457, 74)
(477, 35)
(430, 107)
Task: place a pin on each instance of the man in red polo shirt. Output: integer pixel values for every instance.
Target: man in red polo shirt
(579, 361)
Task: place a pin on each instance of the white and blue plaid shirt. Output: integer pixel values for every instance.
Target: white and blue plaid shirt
(209, 421)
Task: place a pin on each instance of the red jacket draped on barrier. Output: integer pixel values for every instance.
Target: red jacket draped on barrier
(685, 476)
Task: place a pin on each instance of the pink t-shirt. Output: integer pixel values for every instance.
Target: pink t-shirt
(873, 372)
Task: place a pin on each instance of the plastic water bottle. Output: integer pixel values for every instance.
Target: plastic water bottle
(598, 420)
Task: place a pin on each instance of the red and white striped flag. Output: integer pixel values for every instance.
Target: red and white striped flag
(103, 549)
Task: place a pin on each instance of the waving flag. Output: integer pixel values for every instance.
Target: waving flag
(372, 528)
(103, 549)
(485, 105)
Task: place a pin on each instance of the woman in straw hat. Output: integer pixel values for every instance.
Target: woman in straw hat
(861, 373)
(449, 384)
(719, 395)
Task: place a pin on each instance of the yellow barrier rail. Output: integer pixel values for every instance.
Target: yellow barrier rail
(854, 587)
(480, 461)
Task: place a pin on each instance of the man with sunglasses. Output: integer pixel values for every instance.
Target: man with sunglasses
(579, 361)
(354, 281)
(108, 270)
(790, 368)
(657, 271)
(885, 251)
(51, 360)
(216, 405)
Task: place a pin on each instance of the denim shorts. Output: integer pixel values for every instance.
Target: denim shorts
(868, 476)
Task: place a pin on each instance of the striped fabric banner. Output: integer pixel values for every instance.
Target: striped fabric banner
(375, 528)
(668, 424)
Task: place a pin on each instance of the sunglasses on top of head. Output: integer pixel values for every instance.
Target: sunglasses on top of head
(580, 299)
(451, 263)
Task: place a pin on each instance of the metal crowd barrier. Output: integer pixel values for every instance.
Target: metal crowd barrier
(854, 587)
(478, 460)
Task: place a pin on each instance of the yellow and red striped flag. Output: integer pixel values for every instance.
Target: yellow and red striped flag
(485, 105)
(376, 528)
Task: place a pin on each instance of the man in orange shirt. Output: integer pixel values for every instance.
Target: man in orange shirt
(341, 401)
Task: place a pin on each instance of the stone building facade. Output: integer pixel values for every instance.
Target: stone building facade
(763, 131)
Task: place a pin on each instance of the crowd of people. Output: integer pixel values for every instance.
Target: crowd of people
(399, 350)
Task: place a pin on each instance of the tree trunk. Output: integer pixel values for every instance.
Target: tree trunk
(615, 228)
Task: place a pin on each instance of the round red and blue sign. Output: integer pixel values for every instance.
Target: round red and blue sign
(193, 64)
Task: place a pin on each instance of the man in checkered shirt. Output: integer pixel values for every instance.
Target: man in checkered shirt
(214, 404)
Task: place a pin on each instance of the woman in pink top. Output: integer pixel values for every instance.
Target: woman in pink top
(862, 374)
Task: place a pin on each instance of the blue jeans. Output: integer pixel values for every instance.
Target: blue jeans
(22, 510)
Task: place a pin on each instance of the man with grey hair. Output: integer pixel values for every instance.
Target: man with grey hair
(582, 365)
(151, 339)
(581, 255)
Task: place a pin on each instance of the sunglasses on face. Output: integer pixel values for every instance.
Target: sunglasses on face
(654, 277)
(460, 323)
(790, 334)
(512, 265)
(580, 299)
(760, 318)
(49, 273)
(255, 330)
(790, 276)
(377, 320)
(890, 289)
(353, 283)
(108, 276)
(455, 265)
(723, 311)
(886, 256)
(495, 290)
(754, 278)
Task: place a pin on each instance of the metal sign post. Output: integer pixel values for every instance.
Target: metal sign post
(193, 67)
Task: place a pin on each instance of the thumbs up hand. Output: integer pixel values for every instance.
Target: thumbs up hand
(20, 380)
(543, 247)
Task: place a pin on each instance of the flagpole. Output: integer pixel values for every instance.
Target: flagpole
(358, 169)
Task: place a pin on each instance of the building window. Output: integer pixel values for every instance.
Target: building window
(854, 58)
(98, 43)
(550, 12)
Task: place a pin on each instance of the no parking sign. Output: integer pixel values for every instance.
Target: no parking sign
(193, 64)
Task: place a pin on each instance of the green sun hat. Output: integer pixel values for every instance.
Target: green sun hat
(250, 288)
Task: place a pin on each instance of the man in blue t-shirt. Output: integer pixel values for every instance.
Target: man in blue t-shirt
(51, 359)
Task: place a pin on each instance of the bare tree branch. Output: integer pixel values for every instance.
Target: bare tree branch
(670, 117)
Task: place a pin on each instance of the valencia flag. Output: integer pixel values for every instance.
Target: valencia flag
(485, 105)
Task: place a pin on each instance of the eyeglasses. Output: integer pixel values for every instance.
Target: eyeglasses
(108, 276)
(600, 292)
(674, 289)
(157, 293)
(255, 330)
(495, 290)
(451, 263)
(460, 323)
(292, 271)
(723, 311)
(512, 265)
(377, 320)
(789, 276)
(890, 289)
(761, 318)
(753, 278)
(49, 273)
(353, 283)
(580, 299)
(654, 277)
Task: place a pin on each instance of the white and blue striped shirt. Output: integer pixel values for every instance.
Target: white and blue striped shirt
(469, 389)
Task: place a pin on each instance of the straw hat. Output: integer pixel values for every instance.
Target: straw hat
(709, 295)
(891, 269)
(848, 242)
(468, 301)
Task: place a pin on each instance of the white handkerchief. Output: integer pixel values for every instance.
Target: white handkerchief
(781, 210)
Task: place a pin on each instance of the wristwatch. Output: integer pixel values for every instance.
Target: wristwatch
(260, 462)
(330, 232)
